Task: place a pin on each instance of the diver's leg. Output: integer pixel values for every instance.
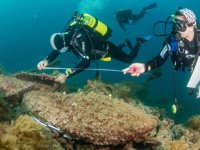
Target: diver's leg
(122, 45)
(119, 54)
(116, 53)
(136, 17)
(127, 43)
(134, 50)
(151, 6)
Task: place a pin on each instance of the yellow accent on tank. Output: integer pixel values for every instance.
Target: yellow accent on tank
(92, 22)
(101, 28)
(106, 59)
(88, 20)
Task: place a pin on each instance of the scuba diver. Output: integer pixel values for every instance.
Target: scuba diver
(182, 45)
(126, 16)
(86, 37)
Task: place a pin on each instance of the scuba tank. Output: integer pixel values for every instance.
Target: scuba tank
(92, 23)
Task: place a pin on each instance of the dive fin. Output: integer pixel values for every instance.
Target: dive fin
(151, 6)
(143, 39)
(147, 38)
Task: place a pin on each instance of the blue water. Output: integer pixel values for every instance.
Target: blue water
(26, 27)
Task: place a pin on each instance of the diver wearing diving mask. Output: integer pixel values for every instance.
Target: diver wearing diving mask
(183, 46)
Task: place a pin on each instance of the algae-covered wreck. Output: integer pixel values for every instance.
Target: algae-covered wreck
(90, 118)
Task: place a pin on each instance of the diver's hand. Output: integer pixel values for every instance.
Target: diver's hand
(42, 64)
(135, 69)
(61, 78)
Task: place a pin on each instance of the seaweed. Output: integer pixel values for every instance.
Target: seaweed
(8, 111)
(2, 70)
(98, 86)
(141, 91)
(194, 122)
(3, 109)
(123, 90)
(25, 134)
(18, 110)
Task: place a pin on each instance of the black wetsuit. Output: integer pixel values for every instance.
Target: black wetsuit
(89, 48)
(182, 55)
(126, 16)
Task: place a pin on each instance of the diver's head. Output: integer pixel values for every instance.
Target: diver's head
(59, 41)
(184, 21)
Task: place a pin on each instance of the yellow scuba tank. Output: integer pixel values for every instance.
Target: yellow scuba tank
(93, 23)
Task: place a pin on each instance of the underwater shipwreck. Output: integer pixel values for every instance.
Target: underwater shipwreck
(38, 113)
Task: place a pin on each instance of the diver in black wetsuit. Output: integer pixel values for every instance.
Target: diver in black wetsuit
(126, 16)
(182, 46)
(85, 42)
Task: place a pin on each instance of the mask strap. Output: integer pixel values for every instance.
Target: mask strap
(63, 38)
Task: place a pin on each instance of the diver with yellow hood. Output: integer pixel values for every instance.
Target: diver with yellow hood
(87, 38)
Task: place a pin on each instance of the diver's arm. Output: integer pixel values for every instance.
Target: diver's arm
(159, 60)
(136, 69)
(51, 56)
(78, 68)
(43, 63)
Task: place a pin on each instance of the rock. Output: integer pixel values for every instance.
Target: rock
(14, 88)
(42, 82)
(92, 117)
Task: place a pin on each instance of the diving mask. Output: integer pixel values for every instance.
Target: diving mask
(179, 25)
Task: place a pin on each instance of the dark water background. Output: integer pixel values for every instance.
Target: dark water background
(26, 27)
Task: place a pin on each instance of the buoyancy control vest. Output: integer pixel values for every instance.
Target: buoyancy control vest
(178, 52)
